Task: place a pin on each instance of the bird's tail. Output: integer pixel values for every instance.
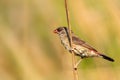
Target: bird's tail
(106, 57)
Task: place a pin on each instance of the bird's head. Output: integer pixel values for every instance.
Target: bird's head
(60, 30)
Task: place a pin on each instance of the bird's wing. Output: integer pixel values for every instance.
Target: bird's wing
(80, 42)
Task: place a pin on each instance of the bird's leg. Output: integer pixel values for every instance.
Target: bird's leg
(76, 65)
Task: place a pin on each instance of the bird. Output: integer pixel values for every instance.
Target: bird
(79, 47)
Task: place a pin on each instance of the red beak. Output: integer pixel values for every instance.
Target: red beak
(55, 31)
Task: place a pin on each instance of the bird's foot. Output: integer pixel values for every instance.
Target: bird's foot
(71, 50)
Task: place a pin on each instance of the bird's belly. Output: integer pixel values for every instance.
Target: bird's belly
(83, 52)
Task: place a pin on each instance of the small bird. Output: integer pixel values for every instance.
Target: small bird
(79, 47)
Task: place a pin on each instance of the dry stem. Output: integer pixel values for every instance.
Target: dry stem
(75, 73)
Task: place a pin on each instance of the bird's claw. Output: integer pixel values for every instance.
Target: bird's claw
(71, 49)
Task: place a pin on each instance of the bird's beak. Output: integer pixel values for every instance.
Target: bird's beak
(55, 31)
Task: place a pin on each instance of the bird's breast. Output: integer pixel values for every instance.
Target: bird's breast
(65, 42)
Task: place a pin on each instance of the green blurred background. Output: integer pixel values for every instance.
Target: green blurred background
(30, 51)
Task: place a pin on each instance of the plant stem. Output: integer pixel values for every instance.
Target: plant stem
(75, 73)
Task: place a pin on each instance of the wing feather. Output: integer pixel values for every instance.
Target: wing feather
(80, 42)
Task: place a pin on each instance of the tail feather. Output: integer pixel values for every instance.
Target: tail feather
(107, 58)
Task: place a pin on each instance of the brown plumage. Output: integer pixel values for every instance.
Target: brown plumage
(80, 47)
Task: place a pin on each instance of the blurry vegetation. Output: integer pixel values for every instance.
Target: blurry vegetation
(30, 51)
